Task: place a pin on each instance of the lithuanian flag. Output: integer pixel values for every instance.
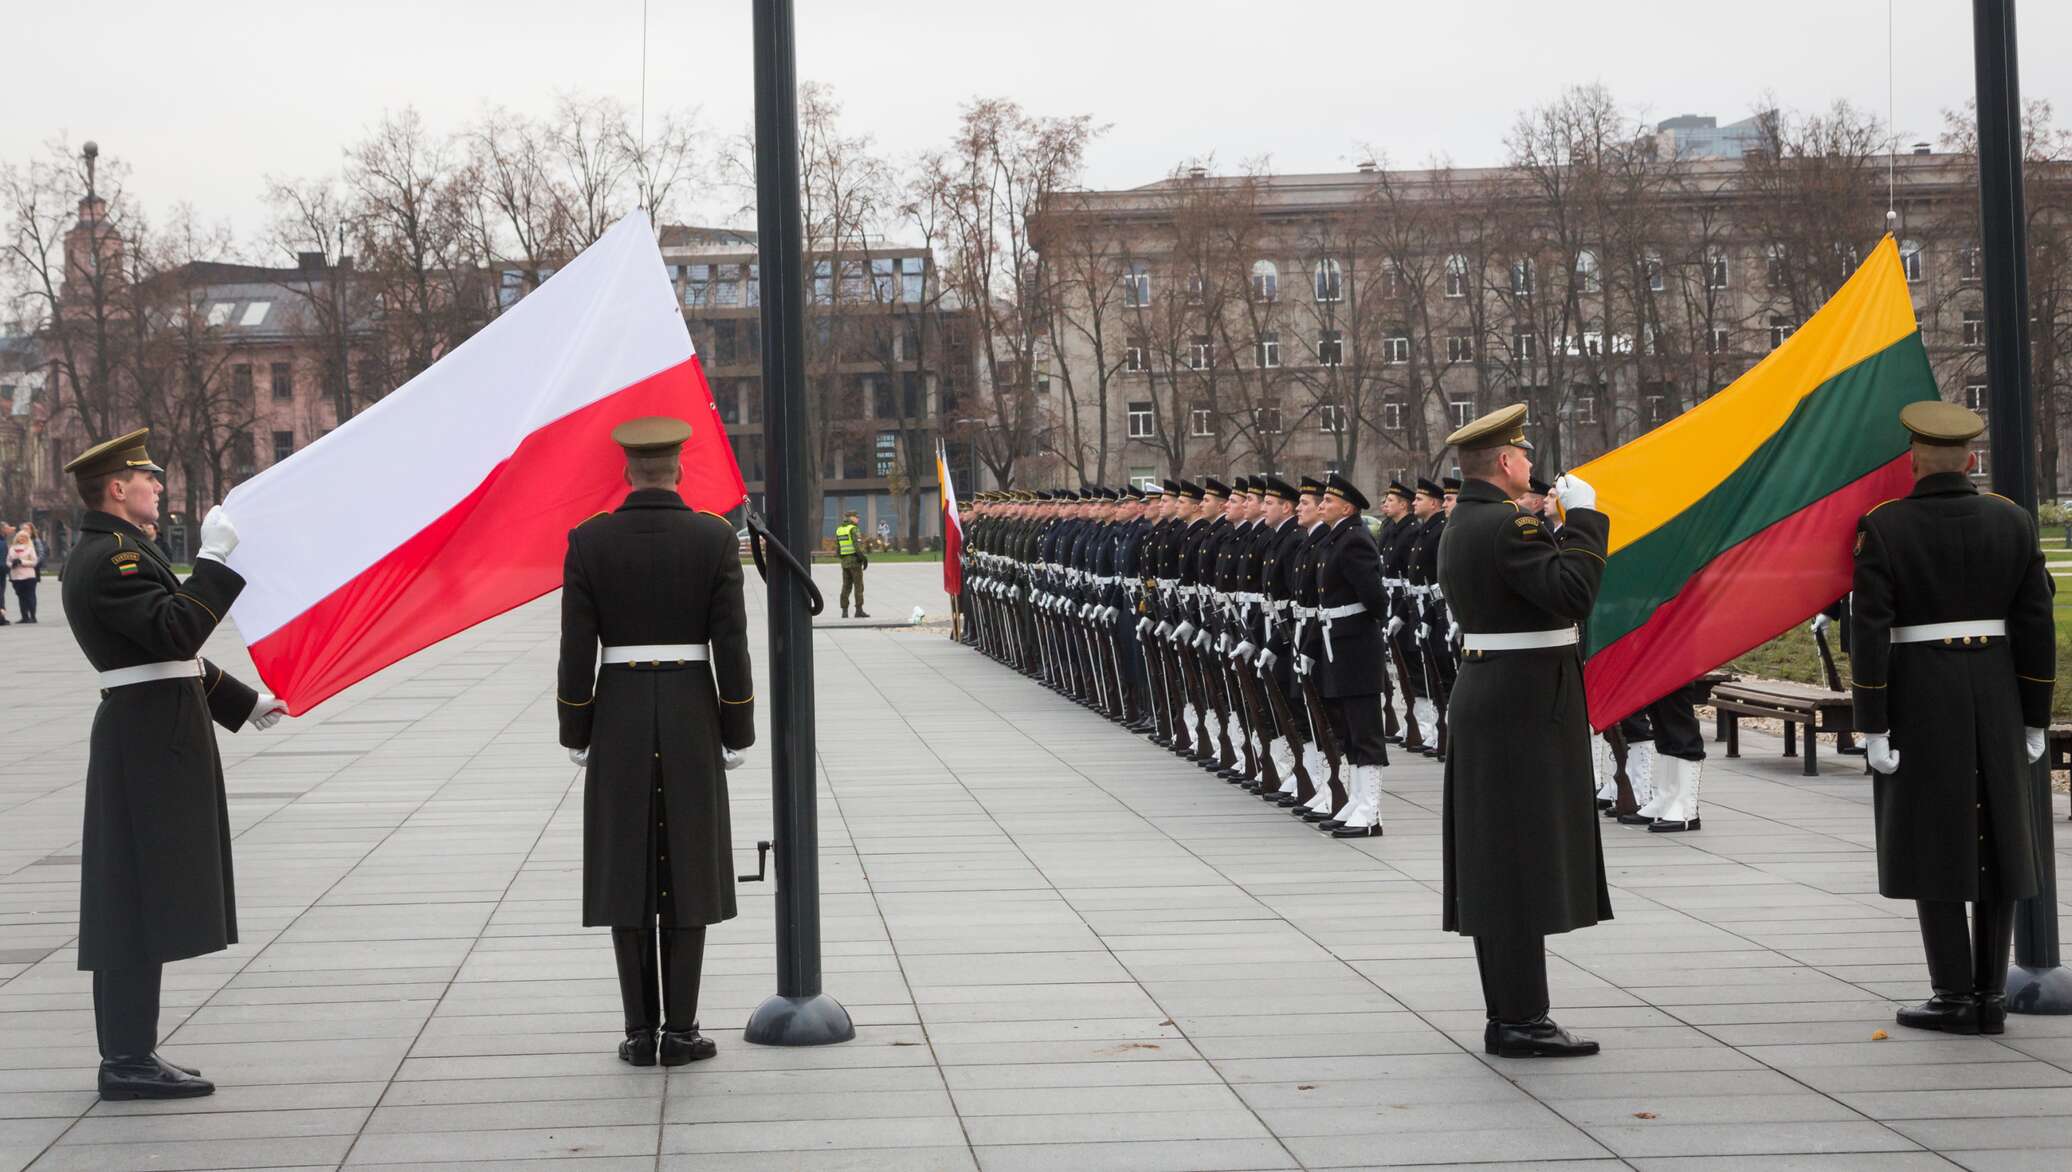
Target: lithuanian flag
(1734, 521)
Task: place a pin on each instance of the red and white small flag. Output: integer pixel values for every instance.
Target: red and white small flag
(449, 501)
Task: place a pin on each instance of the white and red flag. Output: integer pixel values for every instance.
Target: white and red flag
(952, 527)
(449, 501)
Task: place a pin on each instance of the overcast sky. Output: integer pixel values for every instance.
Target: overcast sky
(205, 100)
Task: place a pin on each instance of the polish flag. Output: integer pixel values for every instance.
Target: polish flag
(449, 502)
(952, 527)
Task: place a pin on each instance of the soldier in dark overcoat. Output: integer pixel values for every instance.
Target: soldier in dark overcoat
(1954, 658)
(1521, 852)
(657, 585)
(155, 872)
(1353, 669)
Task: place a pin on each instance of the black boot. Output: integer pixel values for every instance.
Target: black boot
(1953, 1009)
(1950, 1011)
(639, 993)
(1540, 1038)
(145, 1077)
(1992, 933)
(683, 959)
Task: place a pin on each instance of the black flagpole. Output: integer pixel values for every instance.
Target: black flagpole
(2038, 983)
(799, 1014)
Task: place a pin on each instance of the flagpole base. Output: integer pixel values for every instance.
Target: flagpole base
(818, 1020)
(2039, 990)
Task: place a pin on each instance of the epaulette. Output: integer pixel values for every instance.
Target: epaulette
(1880, 505)
(593, 517)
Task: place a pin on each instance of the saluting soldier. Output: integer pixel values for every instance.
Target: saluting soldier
(1521, 848)
(1954, 657)
(154, 871)
(657, 585)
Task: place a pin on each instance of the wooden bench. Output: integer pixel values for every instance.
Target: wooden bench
(1818, 709)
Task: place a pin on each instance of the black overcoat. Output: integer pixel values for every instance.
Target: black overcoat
(1955, 708)
(655, 571)
(1521, 851)
(155, 879)
(1354, 660)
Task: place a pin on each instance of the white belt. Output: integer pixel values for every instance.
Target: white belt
(145, 673)
(656, 653)
(1930, 632)
(1517, 640)
(1328, 614)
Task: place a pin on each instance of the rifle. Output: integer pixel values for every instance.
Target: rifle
(1844, 741)
(1625, 802)
(1439, 688)
(1262, 758)
(1284, 720)
(1413, 739)
(1327, 740)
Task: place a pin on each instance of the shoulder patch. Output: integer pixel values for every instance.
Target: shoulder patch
(125, 562)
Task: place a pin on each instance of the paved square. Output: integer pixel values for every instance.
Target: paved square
(1063, 949)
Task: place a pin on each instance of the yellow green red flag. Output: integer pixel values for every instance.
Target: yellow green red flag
(1732, 522)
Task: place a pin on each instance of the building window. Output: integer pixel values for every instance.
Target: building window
(1975, 397)
(1201, 421)
(1133, 355)
(1716, 341)
(1268, 351)
(1657, 408)
(1395, 349)
(1780, 329)
(1392, 415)
(1983, 469)
(283, 381)
(1330, 348)
(1462, 410)
(1330, 285)
(883, 281)
(1194, 289)
(1266, 281)
(1136, 285)
(1140, 420)
(1967, 263)
(1456, 275)
(241, 380)
(1910, 259)
(241, 458)
(754, 282)
(1522, 277)
(853, 281)
(283, 445)
(1586, 406)
(1588, 278)
(1331, 417)
(1716, 272)
(1652, 265)
(1143, 477)
(1460, 348)
(1392, 282)
(1198, 352)
(823, 282)
(913, 279)
(697, 286)
(1267, 420)
(1524, 347)
(1773, 266)
(1974, 328)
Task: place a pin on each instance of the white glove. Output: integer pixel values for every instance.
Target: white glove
(1304, 665)
(218, 535)
(1266, 661)
(729, 759)
(268, 711)
(2034, 737)
(1395, 624)
(1575, 493)
(1184, 633)
(1453, 631)
(1878, 750)
(579, 756)
(1821, 622)
(1423, 632)
(1163, 628)
(1244, 651)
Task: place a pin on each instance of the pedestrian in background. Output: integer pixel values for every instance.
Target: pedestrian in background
(849, 547)
(22, 563)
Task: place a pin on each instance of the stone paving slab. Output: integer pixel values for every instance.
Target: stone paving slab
(1063, 949)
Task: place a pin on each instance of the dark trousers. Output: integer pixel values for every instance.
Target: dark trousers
(657, 945)
(1361, 731)
(1973, 961)
(1514, 976)
(852, 578)
(25, 598)
(1675, 718)
(126, 1010)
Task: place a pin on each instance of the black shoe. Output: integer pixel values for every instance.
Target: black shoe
(1373, 831)
(1951, 1013)
(1604, 804)
(148, 1078)
(862, 613)
(1284, 801)
(1665, 826)
(1992, 1012)
(845, 612)
(1635, 819)
(1489, 1036)
(1309, 815)
(682, 1046)
(1540, 1038)
(1329, 824)
(188, 1070)
(639, 1048)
